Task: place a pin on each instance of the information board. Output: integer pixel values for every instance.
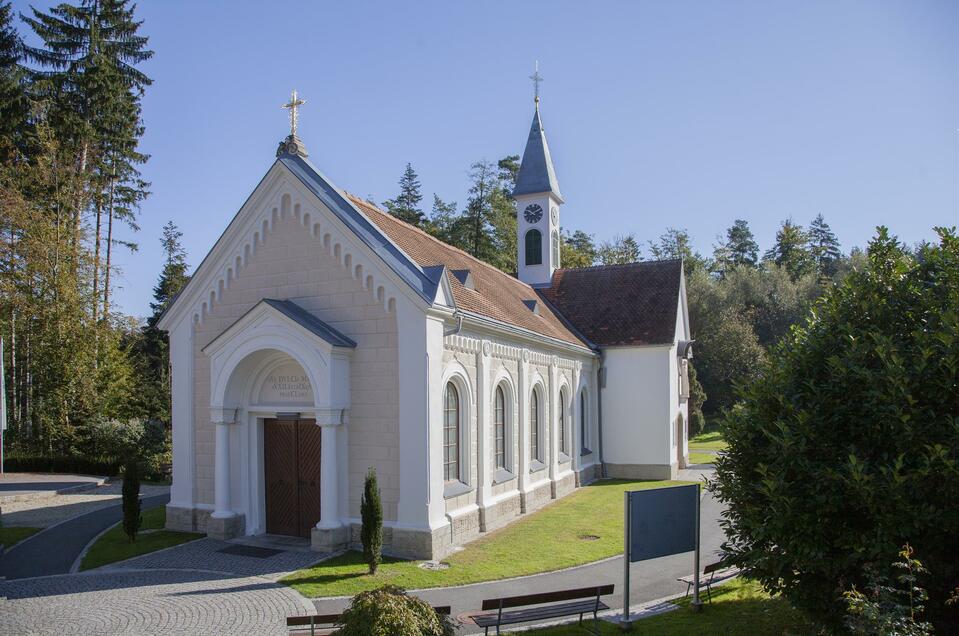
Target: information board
(662, 521)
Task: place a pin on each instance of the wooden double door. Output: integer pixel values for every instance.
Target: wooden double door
(291, 467)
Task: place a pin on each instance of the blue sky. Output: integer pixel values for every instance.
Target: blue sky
(684, 114)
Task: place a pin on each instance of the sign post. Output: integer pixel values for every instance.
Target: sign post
(660, 522)
(3, 405)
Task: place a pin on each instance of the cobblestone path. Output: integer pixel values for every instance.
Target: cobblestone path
(147, 602)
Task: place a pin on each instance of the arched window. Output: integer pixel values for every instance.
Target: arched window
(534, 426)
(451, 434)
(555, 244)
(499, 427)
(562, 421)
(583, 421)
(534, 247)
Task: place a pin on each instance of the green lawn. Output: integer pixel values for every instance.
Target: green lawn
(713, 441)
(9, 536)
(585, 526)
(738, 607)
(114, 545)
(701, 458)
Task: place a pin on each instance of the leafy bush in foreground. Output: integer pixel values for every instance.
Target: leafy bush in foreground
(846, 448)
(388, 611)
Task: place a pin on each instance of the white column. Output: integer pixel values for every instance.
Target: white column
(576, 443)
(483, 411)
(221, 477)
(329, 506)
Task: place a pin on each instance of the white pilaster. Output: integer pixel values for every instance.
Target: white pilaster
(576, 443)
(184, 460)
(553, 427)
(483, 468)
(522, 394)
(329, 490)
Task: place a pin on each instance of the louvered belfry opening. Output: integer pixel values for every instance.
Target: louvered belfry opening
(291, 456)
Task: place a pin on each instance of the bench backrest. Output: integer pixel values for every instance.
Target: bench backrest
(714, 567)
(330, 619)
(547, 597)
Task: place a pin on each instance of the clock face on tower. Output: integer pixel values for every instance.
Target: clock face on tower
(533, 213)
(554, 214)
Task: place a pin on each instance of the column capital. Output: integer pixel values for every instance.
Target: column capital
(332, 417)
(223, 415)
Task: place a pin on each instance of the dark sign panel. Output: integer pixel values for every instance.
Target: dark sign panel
(662, 521)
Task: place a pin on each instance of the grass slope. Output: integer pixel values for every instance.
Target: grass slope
(738, 607)
(114, 545)
(701, 458)
(9, 536)
(550, 539)
(712, 441)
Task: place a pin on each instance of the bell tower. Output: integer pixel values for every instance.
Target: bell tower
(538, 201)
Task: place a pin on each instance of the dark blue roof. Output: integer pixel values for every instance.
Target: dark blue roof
(310, 322)
(536, 172)
(405, 268)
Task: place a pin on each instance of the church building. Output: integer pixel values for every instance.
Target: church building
(322, 337)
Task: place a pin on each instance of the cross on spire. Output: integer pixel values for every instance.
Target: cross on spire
(293, 105)
(537, 78)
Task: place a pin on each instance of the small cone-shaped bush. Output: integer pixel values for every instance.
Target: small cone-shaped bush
(131, 499)
(371, 512)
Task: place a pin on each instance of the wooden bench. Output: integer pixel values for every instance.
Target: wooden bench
(585, 600)
(326, 622)
(712, 573)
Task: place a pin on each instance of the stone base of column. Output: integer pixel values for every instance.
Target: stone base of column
(329, 539)
(226, 528)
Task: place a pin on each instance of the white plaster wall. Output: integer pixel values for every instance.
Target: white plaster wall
(637, 405)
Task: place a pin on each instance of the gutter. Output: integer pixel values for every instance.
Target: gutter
(459, 325)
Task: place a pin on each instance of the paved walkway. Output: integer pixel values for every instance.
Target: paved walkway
(56, 508)
(17, 487)
(147, 602)
(53, 550)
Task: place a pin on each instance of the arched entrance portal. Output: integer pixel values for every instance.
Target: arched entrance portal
(279, 382)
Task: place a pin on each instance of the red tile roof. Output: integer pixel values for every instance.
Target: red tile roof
(495, 294)
(612, 305)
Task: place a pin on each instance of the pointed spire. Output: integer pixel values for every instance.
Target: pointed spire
(536, 173)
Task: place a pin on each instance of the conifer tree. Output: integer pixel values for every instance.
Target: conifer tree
(14, 105)
(791, 250)
(406, 205)
(622, 249)
(577, 249)
(741, 245)
(824, 247)
(479, 213)
(676, 243)
(371, 514)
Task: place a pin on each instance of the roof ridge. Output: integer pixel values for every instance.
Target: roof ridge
(482, 263)
(614, 265)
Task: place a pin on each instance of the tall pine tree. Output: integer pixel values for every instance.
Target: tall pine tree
(741, 245)
(824, 247)
(791, 250)
(406, 204)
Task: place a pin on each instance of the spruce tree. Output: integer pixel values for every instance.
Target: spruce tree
(14, 105)
(676, 243)
(824, 247)
(371, 515)
(619, 251)
(741, 245)
(480, 213)
(405, 206)
(791, 250)
(577, 249)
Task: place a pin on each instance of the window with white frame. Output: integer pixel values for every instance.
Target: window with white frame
(451, 434)
(534, 423)
(499, 427)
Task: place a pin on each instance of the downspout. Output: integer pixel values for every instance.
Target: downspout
(601, 383)
(459, 325)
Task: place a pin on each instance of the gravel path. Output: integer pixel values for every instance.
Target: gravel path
(52, 510)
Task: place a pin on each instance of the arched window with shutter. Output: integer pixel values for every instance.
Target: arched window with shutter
(534, 247)
(451, 434)
(499, 427)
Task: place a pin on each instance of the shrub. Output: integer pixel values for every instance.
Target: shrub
(131, 499)
(388, 611)
(846, 447)
(890, 607)
(371, 513)
(697, 397)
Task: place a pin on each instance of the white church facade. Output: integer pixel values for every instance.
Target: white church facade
(321, 337)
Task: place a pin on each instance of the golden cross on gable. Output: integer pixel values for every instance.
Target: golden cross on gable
(294, 103)
(537, 78)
